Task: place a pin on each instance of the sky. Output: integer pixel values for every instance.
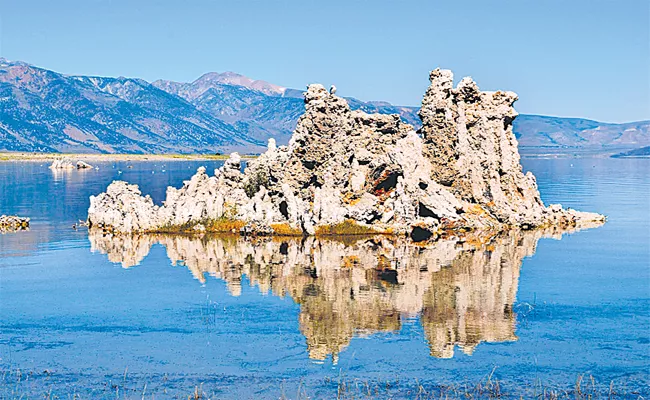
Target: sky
(587, 59)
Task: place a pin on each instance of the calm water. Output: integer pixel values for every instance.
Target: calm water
(158, 316)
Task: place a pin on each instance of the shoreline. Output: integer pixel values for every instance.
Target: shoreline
(25, 156)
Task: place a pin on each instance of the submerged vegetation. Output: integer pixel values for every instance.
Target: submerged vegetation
(22, 384)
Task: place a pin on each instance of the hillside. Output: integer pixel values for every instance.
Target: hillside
(46, 111)
(41, 110)
(636, 153)
(542, 133)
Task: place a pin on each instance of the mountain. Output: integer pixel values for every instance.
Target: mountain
(45, 111)
(260, 109)
(41, 110)
(257, 109)
(546, 133)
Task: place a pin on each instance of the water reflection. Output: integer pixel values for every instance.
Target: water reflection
(462, 290)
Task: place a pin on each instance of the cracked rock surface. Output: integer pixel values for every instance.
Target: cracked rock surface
(348, 172)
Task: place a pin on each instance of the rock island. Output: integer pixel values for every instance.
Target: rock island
(348, 172)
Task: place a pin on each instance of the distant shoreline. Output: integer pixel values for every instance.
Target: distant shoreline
(24, 156)
(579, 152)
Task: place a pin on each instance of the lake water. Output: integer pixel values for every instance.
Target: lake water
(225, 317)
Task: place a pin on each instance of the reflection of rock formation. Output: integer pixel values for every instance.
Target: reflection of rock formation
(128, 251)
(471, 301)
(463, 290)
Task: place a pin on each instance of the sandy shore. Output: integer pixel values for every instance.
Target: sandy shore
(17, 156)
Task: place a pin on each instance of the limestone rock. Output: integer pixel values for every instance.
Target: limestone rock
(83, 165)
(62, 163)
(11, 223)
(468, 136)
(348, 172)
(66, 163)
(123, 206)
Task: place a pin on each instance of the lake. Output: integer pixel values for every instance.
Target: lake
(523, 314)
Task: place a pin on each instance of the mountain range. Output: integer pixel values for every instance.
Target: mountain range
(46, 111)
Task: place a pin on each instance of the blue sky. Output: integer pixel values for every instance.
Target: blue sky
(566, 58)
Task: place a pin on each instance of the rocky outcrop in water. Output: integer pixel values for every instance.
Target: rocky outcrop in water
(83, 165)
(11, 223)
(65, 163)
(348, 172)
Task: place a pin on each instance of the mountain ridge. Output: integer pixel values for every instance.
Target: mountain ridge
(42, 110)
(46, 111)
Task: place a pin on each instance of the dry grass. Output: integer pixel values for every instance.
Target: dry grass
(285, 229)
(224, 225)
(347, 227)
(220, 225)
(351, 261)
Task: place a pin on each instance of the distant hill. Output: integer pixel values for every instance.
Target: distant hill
(548, 133)
(640, 152)
(45, 111)
(257, 109)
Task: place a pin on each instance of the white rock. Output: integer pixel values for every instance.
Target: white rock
(460, 170)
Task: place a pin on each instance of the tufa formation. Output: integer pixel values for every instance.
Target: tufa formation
(66, 164)
(348, 172)
(12, 223)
